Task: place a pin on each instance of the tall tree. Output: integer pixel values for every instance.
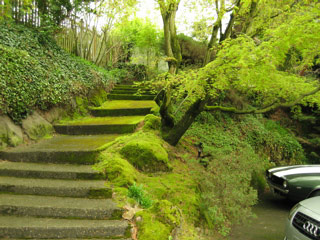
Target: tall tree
(271, 67)
(168, 9)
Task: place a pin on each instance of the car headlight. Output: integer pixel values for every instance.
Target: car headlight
(268, 174)
(285, 184)
(293, 211)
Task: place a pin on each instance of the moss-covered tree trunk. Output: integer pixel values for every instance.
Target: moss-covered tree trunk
(174, 134)
(172, 47)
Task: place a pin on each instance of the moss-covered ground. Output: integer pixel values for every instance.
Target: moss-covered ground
(170, 186)
(198, 198)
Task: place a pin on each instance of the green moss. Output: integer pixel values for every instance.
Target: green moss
(117, 170)
(118, 104)
(178, 187)
(97, 98)
(151, 122)
(40, 131)
(82, 105)
(155, 110)
(175, 193)
(152, 228)
(100, 193)
(145, 155)
(103, 120)
(167, 213)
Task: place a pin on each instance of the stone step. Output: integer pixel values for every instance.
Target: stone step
(52, 171)
(60, 149)
(131, 91)
(58, 207)
(123, 108)
(72, 238)
(127, 86)
(54, 187)
(28, 227)
(100, 125)
(130, 97)
(120, 112)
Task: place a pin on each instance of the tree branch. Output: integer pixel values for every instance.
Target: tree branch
(291, 6)
(262, 110)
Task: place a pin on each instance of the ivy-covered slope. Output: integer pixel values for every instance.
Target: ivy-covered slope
(36, 73)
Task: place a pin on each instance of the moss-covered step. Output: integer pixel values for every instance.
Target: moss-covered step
(52, 171)
(58, 207)
(123, 108)
(48, 228)
(130, 97)
(53, 187)
(99, 125)
(59, 149)
(131, 91)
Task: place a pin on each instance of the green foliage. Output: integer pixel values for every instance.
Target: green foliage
(237, 150)
(129, 72)
(41, 76)
(137, 193)
(192, 51)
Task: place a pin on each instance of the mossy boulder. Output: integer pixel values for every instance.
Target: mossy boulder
(151, 122)
(10, 134)
(36, 127)
(116, 169)
(146, 155)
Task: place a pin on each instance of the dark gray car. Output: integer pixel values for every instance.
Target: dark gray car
(296, 182)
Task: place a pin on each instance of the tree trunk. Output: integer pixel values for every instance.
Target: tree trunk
(174, 134)
(213, 40)
(172, 46)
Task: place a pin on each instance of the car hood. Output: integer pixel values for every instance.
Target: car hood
(313, 204)
(296, 170)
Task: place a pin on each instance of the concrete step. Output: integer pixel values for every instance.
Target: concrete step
(54, 187)
(59, 149)
(132, 91)
(28, 227)
(58, 207)
(72, 238)
(100, 125)
(52, 171)
(123, 108)
(120, 112)
(130, 97)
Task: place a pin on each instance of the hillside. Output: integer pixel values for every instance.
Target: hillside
(37, 74)
(190, 197)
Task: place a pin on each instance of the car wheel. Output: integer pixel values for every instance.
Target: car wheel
(315, 194)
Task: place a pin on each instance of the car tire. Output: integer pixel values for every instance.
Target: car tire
(314, 194)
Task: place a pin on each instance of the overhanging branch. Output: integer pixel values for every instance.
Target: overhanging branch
(262, 110)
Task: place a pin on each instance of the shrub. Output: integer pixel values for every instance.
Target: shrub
(137, 193)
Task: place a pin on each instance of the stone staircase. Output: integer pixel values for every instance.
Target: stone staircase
(49, 190)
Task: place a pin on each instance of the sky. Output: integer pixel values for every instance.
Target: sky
(185, 15)
(147, 8)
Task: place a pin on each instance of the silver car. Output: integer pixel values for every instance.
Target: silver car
(304, 220)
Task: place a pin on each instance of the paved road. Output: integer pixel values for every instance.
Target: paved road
(271, 215)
